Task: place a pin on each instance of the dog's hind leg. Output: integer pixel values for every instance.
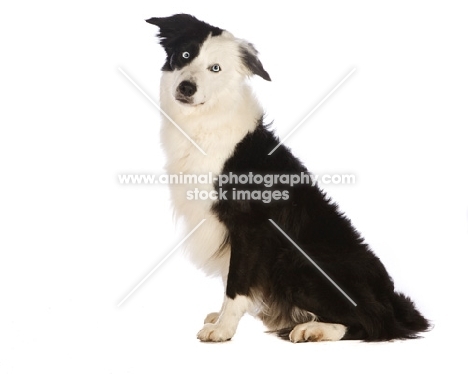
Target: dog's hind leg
(317, 331)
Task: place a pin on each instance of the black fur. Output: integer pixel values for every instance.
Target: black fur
(263, 260)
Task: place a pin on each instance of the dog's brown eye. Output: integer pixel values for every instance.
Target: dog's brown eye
(185, 54)
(215, 68)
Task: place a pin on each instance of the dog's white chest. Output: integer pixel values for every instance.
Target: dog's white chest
(216, 130)
(192, 201)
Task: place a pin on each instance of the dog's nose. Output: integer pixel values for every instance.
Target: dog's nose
(187, 88)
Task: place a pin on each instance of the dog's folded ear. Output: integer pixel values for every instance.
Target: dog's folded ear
(253, 64)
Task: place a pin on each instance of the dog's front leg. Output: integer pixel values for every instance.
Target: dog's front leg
(226, 324)
(222, 326)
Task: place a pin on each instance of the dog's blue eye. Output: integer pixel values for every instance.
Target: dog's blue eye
(185, 55)
(215, 68)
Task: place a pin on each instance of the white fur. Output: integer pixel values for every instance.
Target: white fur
(317, 331)
(225, 325)
(223, 112)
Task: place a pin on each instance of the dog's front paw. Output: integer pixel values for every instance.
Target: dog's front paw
(215, 333)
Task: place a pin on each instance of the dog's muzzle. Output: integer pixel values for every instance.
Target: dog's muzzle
(185, 92)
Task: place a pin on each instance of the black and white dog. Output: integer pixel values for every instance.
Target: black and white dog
(336, 288)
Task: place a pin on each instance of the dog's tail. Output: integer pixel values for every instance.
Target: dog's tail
(395, 318)
(411, 321)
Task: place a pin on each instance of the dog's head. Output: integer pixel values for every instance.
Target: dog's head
(204, 61)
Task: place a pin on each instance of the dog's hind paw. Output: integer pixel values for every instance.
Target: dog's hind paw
(316, 332)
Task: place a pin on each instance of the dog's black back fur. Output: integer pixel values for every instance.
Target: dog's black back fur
(263, 259)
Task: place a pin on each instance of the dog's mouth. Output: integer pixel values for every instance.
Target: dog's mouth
(187, 101)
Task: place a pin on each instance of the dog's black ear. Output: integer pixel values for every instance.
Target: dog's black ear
(182, 27)
(251, 61)
(167, 29)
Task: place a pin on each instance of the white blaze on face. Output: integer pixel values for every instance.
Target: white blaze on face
(211, 85)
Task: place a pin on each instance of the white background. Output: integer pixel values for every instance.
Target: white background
(74, 242)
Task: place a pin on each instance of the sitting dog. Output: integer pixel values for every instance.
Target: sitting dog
(285, 252)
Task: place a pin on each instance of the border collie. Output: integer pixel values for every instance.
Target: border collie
(285, 252)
